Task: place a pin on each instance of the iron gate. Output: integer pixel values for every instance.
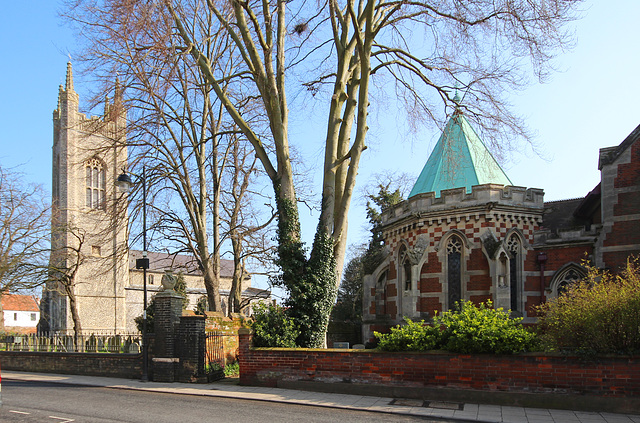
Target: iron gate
(214, 349)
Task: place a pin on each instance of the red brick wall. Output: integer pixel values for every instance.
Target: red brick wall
(628, 203)
(629, 173)
(530, 373)
(627, 232)
(430, 304)
(558, 257)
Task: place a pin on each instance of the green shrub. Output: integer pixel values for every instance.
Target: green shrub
(232, 369)
(272, 327)
(482, 329)
(598, 315)
(468, 329)
(151, 311)
(412, 336)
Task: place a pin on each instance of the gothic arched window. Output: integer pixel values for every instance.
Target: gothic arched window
(95, 184)
(513, 246)
(565, 278)
(454, 270)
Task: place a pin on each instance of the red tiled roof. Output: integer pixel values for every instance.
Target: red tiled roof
(15, 302)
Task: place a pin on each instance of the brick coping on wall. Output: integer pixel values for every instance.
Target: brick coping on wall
(604, 383)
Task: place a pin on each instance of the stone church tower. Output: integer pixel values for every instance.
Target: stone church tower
(89, 232)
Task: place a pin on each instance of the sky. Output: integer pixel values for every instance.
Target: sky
(591, 103)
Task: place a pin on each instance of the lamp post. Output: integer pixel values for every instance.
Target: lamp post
(124, 184)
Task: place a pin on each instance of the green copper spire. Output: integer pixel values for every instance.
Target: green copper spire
(459, 159)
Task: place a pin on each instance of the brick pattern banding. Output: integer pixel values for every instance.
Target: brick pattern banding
(528, 373)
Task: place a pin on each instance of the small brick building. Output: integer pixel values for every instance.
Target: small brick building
(466, 233)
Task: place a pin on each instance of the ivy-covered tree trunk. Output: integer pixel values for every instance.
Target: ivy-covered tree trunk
(312, 296)
(311, 284)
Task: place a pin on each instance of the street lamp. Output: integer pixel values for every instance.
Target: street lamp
(124, 184)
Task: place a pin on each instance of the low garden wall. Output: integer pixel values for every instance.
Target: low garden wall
(127, 366)
(536, 380)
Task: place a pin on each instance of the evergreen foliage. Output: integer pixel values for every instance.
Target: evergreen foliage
(201, 306)
(376, 204)
(312, 297)
(181, 288)
(412, 336)
(598, 315)
(151, 310)
(272, 327)
(348, 307)
(482, 329)
(467, 329)
(310, 284)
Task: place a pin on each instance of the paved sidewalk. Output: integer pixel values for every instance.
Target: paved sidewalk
(225, 389)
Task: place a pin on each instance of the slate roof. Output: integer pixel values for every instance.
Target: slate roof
(15, 302)
(560, 214)
(459, 159)
(158, 262)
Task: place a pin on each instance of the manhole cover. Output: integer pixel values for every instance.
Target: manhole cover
(408, 402)
(444, 405)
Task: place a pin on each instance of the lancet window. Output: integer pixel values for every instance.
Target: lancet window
(454, 270)
(513, 247)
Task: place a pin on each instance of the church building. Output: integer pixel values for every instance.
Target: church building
(89, 229)
(466, 233)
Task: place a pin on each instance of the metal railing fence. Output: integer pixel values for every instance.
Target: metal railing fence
(59, 342)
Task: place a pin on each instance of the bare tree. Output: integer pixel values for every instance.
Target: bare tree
(24, 233)
(342, 50)
(247, 229)
(63, 269)
(176, 128)
(475, 45)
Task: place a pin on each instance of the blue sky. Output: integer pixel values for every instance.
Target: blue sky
(590, 104)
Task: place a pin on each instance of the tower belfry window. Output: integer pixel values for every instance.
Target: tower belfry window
(95, 184)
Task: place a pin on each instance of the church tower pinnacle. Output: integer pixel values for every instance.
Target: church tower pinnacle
(68, 86)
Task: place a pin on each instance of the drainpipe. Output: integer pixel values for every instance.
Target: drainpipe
(542, 259)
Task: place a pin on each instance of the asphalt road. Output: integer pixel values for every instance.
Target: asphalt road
(58, 403)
